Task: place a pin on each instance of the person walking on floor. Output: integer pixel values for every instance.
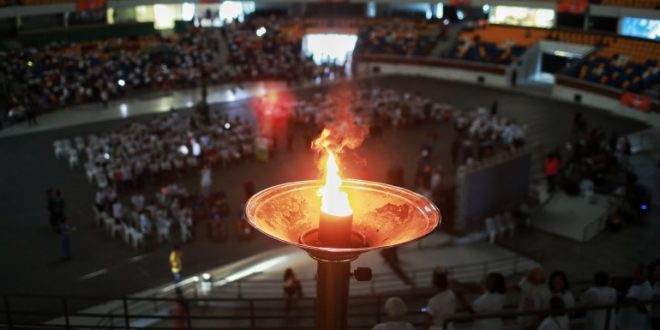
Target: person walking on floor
(292, 288)
(175, 263)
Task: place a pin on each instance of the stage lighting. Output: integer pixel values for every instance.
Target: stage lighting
(261, 31)
(121, 82)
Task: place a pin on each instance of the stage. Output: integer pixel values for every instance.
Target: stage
(572, 216)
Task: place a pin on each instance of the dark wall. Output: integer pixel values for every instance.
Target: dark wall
(494, 190)
(42, 22)
(570, 21)
(606, 24)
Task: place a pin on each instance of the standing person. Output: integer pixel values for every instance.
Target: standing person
(31, 115)
(443, 304)
(557, 320)
(558, 285)
(514, 78)
(395, 309)
(551, 170)
(494, 108)
(175, 263)
(50, 200)
(534, 295)
(65, 230)
(206, 181)
(600, 294)
(58, 207)
(292, 288)
(104, 98)
(637, 317)
(491, 301)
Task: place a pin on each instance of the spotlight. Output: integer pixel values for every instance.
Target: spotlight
(261, 31)
(227, 126)
(644, 207)
(183, 150)
(121, 82)
(106, 155)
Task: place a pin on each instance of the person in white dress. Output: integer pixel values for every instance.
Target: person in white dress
(490, 301)
(600, 294)
(637, 316)
(534, 295)
(443, 304)
(396, 310)
(557, 320)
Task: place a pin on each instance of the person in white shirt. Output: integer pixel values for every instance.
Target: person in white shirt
(558, 285)
(491, 301)
(206, 181)
(396, 309)
(138, 201)
(443, 304)
(147, 229)
(534, 295)
(118, 210)
(637, 317)
(557, 320)
(600, 294)
(655, 314)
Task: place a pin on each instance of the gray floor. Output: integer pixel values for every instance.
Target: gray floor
(30, 251)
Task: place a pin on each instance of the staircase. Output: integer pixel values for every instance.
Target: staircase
(443, 47)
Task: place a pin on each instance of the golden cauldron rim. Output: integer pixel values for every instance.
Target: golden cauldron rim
(435, 219)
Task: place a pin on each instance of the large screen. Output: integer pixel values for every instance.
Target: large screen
(640, 28)
(524, 16)
(329, 47)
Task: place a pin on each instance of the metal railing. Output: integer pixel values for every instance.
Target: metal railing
(118, 313)
(380, 282)
(203, 313)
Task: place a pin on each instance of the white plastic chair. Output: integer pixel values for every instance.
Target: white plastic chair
(137, 238)
(73, 158)
(163, 231)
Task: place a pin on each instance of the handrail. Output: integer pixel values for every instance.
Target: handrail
(608, 307)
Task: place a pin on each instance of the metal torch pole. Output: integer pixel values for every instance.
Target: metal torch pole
(332, 294)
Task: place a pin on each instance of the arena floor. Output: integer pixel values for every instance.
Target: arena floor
(30, 251)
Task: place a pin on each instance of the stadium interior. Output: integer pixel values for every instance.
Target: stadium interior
(350, 164)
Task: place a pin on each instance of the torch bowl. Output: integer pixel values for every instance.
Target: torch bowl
(383, 215)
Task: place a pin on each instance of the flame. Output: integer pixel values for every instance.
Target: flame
(334, 201)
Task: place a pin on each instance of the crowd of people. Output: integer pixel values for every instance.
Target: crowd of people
(488, 52)
(400, 37)
(481, 133)
(271, 48)
(62, 74)
(618, 72)
(143, 223)
(544, 303)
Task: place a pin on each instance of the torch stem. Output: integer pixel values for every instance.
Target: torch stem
(332, 294)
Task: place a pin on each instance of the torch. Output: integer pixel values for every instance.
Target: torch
(350, 217)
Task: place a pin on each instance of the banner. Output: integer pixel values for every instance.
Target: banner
(572, 6)
(91, 5)
(636, 101)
